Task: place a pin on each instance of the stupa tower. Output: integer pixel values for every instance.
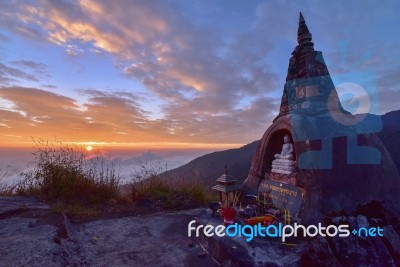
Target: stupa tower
(314, 147)
(308, 86)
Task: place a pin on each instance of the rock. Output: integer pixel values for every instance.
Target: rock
(202, 254)
(353, 222)
(356, 251)
(319, 254)
(339, 220)
(393, 240)
(24, 242)
(13, 204)
(35, 236)
(382, 252)
(154, 240)
(39, 237)
(376, 222)
(362, 221)
(214, 206)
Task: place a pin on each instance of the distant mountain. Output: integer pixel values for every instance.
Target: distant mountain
(391, 121)
(206, 169)
(209, 167)
(390, 135)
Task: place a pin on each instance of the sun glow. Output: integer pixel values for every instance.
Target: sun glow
(92, 145)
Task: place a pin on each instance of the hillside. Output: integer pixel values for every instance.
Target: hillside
(390, 135)
(209, 167)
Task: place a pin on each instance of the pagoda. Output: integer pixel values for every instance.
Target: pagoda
(331, 160)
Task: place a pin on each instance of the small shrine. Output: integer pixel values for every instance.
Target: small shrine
(228, 189)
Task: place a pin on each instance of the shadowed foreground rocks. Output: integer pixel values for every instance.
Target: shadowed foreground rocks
(32, 235)
(317, 251)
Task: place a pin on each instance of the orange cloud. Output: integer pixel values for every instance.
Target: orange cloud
(153, 43)
(107, 119)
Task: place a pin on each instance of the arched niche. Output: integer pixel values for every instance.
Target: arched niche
(273, 147)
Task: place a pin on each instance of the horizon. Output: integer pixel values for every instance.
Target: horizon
(171, 76)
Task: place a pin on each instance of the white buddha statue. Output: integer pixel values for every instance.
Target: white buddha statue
(284, 162)
(287, 149)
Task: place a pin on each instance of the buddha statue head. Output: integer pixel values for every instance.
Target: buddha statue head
(286, 139)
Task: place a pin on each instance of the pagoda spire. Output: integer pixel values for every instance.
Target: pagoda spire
(304, 36)
(308, 84)
(301, 18)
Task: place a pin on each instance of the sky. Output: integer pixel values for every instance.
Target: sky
(165, 75)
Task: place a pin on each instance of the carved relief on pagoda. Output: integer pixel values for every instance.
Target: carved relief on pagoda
(306, 91)
(284, 108)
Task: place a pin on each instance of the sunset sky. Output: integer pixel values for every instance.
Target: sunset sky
(174, 74)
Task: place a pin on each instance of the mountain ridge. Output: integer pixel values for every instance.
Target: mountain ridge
(207, 168)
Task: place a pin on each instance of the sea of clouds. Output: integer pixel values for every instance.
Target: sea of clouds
(128, 164)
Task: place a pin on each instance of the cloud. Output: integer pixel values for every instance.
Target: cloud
(22, 19)
(10, 74)
(38, 113)
(50, 86)
(216, 83)
(38, 68)
(104, 117)
(145, 157)
(115, 118)
(174, 58)
(22, 70)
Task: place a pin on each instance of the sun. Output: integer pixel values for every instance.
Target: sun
(89, 148)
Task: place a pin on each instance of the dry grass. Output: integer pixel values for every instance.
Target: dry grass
(79, 185)
(76, 211)
(173, 192)
(65, 174)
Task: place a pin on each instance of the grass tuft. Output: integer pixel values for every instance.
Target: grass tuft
(173, 193)
(66, 174)
(80, 184)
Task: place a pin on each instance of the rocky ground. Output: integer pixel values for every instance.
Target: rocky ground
(317, 251)
(31, 234)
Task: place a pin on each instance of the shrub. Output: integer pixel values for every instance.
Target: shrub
(66, 174)
(172, 192)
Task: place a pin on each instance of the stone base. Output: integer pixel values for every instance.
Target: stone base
(283, 178)
(283, 171)
(283, 166)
